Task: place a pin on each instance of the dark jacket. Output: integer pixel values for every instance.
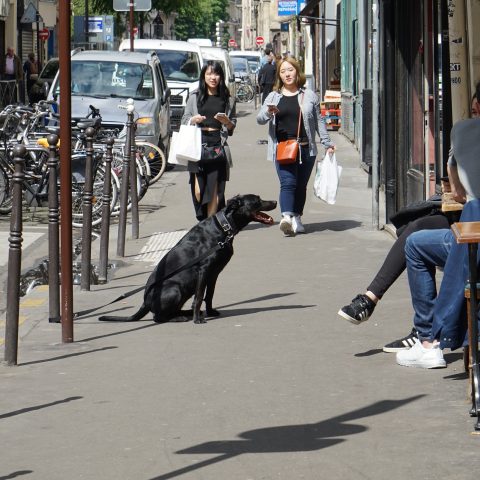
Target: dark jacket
(266, 75)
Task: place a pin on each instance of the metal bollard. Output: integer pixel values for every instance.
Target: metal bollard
(133, 184)
(14, 259)
(122, 219)
(53, 232)
(87, 212)
(105, 229)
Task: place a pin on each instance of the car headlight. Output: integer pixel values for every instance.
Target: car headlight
(145, 126)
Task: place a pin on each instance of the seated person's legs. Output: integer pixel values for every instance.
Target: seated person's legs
(362, 305)
(424, 251)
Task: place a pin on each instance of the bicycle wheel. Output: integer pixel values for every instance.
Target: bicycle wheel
(155, 158)
(241, 93)
(117, 166)
(4, 185)
(78, 189)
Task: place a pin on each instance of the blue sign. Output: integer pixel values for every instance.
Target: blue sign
(95, 24)
(287, 7)
(290, 7)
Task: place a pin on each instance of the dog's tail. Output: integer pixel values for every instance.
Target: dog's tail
(143, 310)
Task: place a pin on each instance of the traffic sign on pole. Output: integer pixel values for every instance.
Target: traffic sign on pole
(138, 5)
(259, 41)
(44, 34)
(232, 42)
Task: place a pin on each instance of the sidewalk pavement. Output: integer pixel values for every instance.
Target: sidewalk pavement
(278, 387)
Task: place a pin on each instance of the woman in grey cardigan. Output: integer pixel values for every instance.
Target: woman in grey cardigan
(281, 111)
(213, 110)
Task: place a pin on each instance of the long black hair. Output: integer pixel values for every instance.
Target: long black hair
(223, 91)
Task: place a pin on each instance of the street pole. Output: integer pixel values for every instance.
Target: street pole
(86, 24)
(66, 299)
(375, 113)
(131, 26)
(39, 54)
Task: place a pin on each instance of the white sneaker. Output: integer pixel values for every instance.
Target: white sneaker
(286, 226)
(420, 357)
(297, 224)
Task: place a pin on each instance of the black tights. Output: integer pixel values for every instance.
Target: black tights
(395, 263)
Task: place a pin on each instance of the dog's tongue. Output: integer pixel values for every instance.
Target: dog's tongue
(263, 218)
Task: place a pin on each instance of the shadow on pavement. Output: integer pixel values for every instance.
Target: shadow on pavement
(287, 438)
(16, 474)
(334, 226)
(249, 311)
(62, 357)
(38, 407)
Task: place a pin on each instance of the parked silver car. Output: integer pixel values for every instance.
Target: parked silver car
(106, 79)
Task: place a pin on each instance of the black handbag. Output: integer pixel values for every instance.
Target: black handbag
(212, 154)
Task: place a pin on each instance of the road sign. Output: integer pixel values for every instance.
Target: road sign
(138, 5)
(44, 34)
(232, 42)
(259, 41)
(31, 15)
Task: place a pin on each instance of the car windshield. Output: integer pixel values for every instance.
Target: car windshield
(240, 64)
(112, 79)
(50, 69)
(180, 66)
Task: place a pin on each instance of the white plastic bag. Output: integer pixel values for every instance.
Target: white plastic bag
(188, 144)
(327, 177)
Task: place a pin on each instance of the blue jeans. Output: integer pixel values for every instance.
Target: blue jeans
(293, 183)
(424, 251)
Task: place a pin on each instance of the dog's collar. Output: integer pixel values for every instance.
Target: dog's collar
(225, 225)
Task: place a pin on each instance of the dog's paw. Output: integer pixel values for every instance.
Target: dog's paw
(200, 318)
(212, 312)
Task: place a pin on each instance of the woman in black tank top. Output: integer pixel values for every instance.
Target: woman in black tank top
(211, 110)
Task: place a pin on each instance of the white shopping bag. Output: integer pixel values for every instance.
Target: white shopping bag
(327, 177)
(172, 154)
(188, 144)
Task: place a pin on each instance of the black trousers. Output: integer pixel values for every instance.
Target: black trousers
(395, 263)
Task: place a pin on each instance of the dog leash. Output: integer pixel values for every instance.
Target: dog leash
(224, 225)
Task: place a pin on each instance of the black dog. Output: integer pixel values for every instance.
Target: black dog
(192, 267)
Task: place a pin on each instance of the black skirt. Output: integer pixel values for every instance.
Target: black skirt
(209, 175)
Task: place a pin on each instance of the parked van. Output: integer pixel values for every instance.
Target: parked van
(253, 58)
(221, 56)
(203, 42)
(181, 63)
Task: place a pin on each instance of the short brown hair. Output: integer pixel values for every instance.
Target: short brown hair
(301, 79)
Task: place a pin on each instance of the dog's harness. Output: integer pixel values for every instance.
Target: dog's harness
(226, 227)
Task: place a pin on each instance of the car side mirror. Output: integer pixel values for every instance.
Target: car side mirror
(166, 95)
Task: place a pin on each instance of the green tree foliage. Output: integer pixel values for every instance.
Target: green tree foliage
(105, 7)
(199, 21)
(196, 18)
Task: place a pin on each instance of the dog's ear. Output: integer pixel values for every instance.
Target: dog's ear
(234, 203)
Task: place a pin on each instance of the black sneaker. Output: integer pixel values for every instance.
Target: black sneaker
(359, 310)
(404, 343)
